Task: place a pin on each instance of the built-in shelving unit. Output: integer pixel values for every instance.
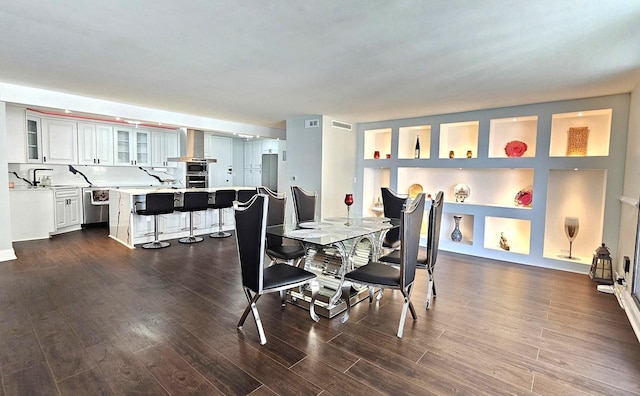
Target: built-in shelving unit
(560, 152)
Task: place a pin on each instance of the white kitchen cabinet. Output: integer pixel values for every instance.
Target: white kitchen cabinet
(270, 146)
(67, 208)
(59, 142)
(95, 144)
(16, 137)
(132, 147)
(32, 215)
(164, 145)
(252, 177)
(253, 154)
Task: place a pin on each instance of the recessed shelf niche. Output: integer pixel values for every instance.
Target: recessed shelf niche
(459, 138)
(377, 140)
(447, 225)
(407, 141)
(374, 179)
(491, 186)
(566, 143)
(505, 130)
(575, 193)
(516, 231)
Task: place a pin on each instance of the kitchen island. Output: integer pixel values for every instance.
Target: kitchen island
(130, 229)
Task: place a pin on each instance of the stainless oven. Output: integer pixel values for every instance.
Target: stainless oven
(197, 175)
(95, 205)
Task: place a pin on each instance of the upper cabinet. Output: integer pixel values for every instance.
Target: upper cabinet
(164, 145)
(95, 144)
(132, 146)
(59, 141)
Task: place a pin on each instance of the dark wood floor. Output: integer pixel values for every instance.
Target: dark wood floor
(81, 314)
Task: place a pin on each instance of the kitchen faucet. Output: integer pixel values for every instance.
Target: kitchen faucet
(35, 179)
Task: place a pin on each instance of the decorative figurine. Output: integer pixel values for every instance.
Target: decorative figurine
(461, 191)
(503, 242)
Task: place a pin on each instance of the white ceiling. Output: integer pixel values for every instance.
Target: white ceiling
(262, 61)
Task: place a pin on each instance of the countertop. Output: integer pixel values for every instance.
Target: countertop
(147, 190)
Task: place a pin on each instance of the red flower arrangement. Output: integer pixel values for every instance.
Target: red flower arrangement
(515, 148)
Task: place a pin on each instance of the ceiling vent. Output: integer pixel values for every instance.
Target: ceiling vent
(341, 125)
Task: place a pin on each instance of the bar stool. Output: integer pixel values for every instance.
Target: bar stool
(246, 195)
(156, 204)
(193, 202)
(222, 199)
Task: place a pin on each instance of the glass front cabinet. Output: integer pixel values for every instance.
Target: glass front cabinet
(530, 172)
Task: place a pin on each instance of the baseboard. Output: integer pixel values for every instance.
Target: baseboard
(7, 254)
(631, 308)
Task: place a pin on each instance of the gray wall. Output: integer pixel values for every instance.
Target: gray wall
(6, 248)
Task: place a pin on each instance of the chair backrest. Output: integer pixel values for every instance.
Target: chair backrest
(224, 198)
(275, 216)
(251, 226)
(159, 203)
(433, 235)
(410, 225)
(246, 195)
(196, 200)
(393, 205)
(304, 204)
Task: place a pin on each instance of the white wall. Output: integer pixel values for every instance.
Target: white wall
(338, 168)
(6, 248)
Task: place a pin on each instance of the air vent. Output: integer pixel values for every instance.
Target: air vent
(341, 125)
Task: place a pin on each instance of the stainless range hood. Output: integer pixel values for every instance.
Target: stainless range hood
(191, 147)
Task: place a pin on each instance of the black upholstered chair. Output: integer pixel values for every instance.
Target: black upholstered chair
(304, 204)
(383, 275)
(426, 255)
(246, 195)
(393, 204)
(251, 225)
(156, 204)
(276, 249)
(222, 199)
(193, 202)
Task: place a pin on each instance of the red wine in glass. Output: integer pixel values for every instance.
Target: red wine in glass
(348, 200)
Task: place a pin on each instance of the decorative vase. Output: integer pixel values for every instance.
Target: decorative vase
(456, 235)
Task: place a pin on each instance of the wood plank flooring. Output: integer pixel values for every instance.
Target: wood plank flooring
(83, 315)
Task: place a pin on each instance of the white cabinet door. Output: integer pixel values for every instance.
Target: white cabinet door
(16, 137)
(253, 154)
(104, 144)
(142, 148)
(87, 144)
(221, 172)
(123, 146)
(67, 207)
(59, 142)
(164, 145)
(269, 146)
(132, 147)
(34, 139)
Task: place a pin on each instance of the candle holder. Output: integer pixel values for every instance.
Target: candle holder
(348, 200)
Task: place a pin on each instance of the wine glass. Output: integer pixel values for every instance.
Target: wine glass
(571, 227)
(348, 200)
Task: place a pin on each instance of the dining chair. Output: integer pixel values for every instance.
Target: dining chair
(386, 276)
(251, 225)
(276, 249)
(426, 255)
(393, 203)
(304, 204)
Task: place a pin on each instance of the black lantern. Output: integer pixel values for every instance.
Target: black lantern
(601, 267)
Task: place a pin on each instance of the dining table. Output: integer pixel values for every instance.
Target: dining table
(335, 246)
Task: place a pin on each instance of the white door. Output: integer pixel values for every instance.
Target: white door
(221, 172)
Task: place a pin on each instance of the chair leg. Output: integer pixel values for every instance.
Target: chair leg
(346, 296)
(315, 289)
(254, 310)
(407, 305)
(283, 298)
(431, 288)
(191, 238)
(156, 244)
(220, 233)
